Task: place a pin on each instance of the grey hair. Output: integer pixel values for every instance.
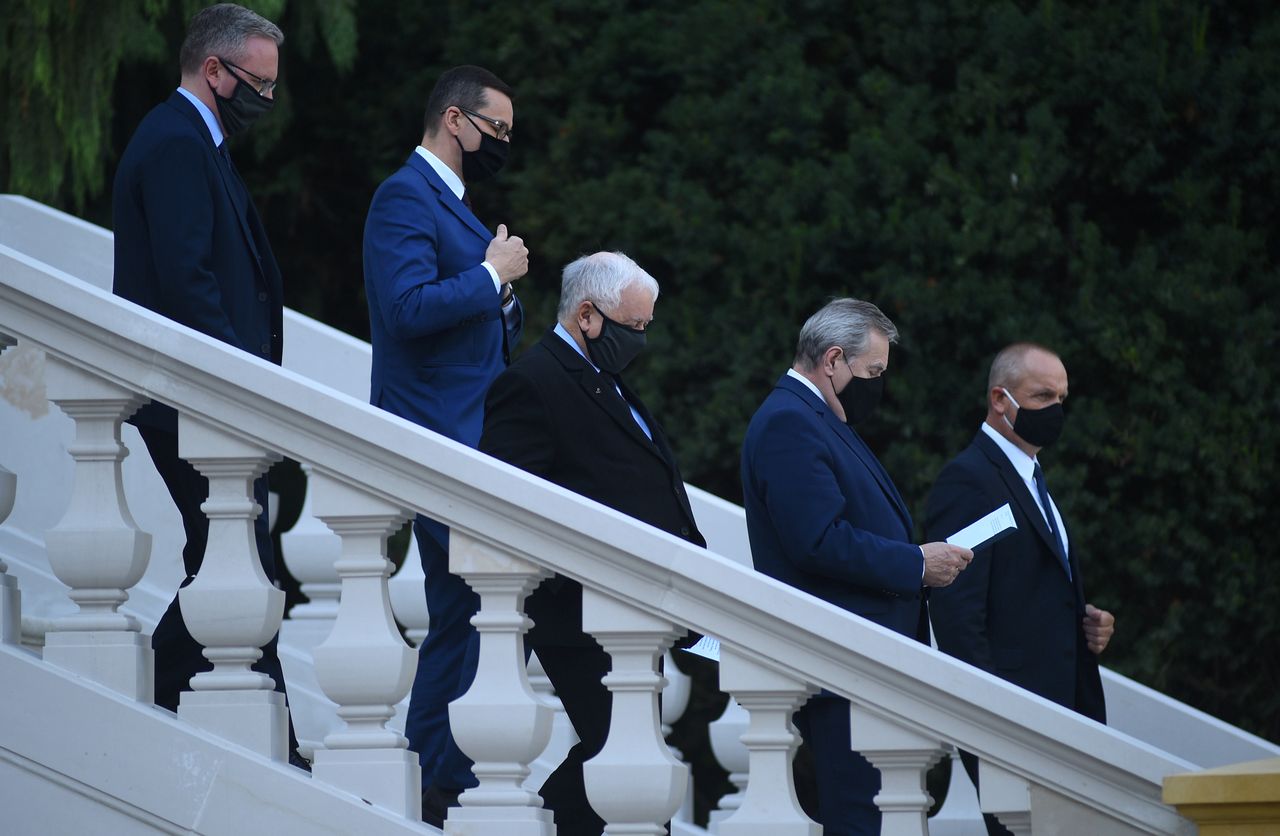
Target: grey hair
(223, 30)
(1010, 364)
(846, 323)
(600, 278)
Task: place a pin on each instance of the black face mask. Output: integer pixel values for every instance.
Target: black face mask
(615, 347)
(243, 108)
(1038, 427)
(860, 397)
(485, 161)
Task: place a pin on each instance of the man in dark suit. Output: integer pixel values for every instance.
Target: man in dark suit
(189, 245)
(824, 516)
(562, 412)
(442, 318)
(1019, 612)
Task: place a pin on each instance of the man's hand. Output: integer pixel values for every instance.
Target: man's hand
(942, 562)
(1099, 625)
(508, 255)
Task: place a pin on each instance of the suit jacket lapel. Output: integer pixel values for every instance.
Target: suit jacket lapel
(447, 198)
(855, 444)
(1018, 490)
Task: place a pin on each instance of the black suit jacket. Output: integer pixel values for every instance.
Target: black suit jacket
(1013, 612)
(555, 416)
(189, 243)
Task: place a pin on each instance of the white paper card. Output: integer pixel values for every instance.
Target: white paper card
(706, 647)
(991, 527)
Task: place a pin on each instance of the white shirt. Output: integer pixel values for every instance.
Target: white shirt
(564, 335)
(1026, 466)
(814, 389)
(210, 121)
(455, 184)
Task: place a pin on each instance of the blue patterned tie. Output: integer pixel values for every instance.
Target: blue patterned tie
(1043, 490)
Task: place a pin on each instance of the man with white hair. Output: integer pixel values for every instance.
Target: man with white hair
(563, 413)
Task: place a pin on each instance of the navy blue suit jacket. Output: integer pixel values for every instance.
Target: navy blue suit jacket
(435, 319)
(823, 515)
(1014, 612)
(189, 243)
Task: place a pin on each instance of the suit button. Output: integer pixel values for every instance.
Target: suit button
(684, 531)
(262, 297)
(266, 350)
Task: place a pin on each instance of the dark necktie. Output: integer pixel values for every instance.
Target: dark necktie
(1043, 490)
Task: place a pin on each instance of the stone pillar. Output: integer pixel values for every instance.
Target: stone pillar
(364, 665)
(408, 597)
(726, 733)
(634, 783)
(769, 806)
(96, 549)
(903, 756)
(10, 597)
(230, 607)
(1007, 796)
(675, 699)
(499, 722)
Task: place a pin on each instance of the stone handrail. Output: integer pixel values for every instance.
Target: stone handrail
(642, 587)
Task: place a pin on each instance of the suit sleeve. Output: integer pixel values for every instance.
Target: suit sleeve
(959, 611)
(177, 190)
(517, 426)
(402, 241)
(796, 478)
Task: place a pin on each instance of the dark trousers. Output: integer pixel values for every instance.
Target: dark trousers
(446, 663)
(178, 656)
(576, 672)
(847, 782)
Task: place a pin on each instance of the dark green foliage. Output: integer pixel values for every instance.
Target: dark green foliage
(1098, 177)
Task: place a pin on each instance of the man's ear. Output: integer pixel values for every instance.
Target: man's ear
(212, 70)
(830, 358)
(585, 309)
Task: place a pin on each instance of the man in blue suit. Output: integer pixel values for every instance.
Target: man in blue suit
(824, 516)
(443, 318)
(189, 245)
(1020, 611)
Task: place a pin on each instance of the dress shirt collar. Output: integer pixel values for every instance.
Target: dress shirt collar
(564, 334)
(807, 382)
(453, 181)
(210, 121)
(1024, 464)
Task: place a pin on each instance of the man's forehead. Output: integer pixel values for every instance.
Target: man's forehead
(498, 105)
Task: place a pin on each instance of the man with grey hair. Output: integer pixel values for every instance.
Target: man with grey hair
(824, 516)
(189, 245)
(1020, 612)
(562, 412)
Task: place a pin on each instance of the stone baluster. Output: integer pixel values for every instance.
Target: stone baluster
(499, 722)
(231, 608)
(310, 550)
(10, 597)
(408, 597)
(96, 548)
(726, 733)
(769, 806)
(634, 783)
(1006, 796)
(675, 699)
(364, 665)
(903, 756)
(563, 737)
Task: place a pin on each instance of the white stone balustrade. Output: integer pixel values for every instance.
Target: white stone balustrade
(769, 806)
(231, 608)
(903, 757)
(364, 665)
(634, 783)
(96, 548)
(408, 597)
(675, 699)
(1006, 796)
(725, 733)
(10, 597)
(499, 722)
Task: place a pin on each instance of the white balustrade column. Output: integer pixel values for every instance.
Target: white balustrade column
(10, 597)
(231, 608)
(903, 756)
(1006, 796)
(364, 665)
(310, 550)
(726, 733)
(499, 722)
(634, 783)
(675, 699)
(769, 807)
(408, 595)
(96, 548)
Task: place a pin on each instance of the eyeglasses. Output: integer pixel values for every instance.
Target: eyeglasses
(262, 86)
(501, 129)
